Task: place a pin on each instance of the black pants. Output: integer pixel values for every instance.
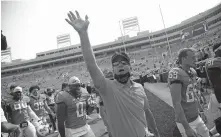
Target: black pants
(218, 124)
(215, 78)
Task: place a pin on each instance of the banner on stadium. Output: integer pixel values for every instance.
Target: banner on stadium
(194, 30)
(200, 28)
(187, 33)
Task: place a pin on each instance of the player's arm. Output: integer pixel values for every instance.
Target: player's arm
(48, 108)
(8, 113)
(32, 114)
(61, 114)
(150, 118)
(175, 89)
(7, 127)
(81, 27)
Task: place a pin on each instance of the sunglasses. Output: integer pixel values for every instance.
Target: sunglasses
(17, 92)
(118, 63)
(75, 85)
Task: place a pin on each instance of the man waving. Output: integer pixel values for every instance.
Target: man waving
(126, 103)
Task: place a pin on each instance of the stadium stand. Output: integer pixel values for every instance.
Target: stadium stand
(146, 52)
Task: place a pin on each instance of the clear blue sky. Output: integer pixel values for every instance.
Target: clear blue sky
(32, 26)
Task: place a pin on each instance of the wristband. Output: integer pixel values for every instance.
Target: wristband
(23, 124)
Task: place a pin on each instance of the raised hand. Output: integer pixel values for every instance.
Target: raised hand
(77, 23)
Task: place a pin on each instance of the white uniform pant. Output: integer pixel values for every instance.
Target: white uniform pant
(84, 131)
(198, 126)
(29, 131)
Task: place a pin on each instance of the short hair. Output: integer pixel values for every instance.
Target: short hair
(183, 53)
(12, 87)
(64, 85)
(34, 87)
(49, 89)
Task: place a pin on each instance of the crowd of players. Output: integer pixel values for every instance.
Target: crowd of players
(124, 106)
(42, 110)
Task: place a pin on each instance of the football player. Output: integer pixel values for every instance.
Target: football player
(5, 97)
(39, 105)
(181, 80)
(71, 111)
(213, 70)
(20, 111)
(50, 98)
(125, 101)
(7, 127)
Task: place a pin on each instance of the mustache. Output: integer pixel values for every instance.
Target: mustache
(122, 78)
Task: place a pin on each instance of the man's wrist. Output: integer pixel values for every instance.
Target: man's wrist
(82, 33)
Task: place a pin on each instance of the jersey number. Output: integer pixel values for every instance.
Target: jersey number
(189, 93)
(81, 110)
(51, 100)
(19, 106)
(173, 75)
(210, 62)
(38, 105)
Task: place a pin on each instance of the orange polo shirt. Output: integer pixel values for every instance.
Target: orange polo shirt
(125, 107)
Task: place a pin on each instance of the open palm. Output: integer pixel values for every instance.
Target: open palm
(76, 22)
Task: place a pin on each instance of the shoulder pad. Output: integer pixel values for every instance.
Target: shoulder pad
(137, 84)
(7, 98)
(26, 99)
(83, 90)
(175, 74)
(84, 93)
(42, 96)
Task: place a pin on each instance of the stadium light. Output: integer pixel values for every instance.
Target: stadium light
(63, 40)
(129, 24)
(122, 35)
(165, 32)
